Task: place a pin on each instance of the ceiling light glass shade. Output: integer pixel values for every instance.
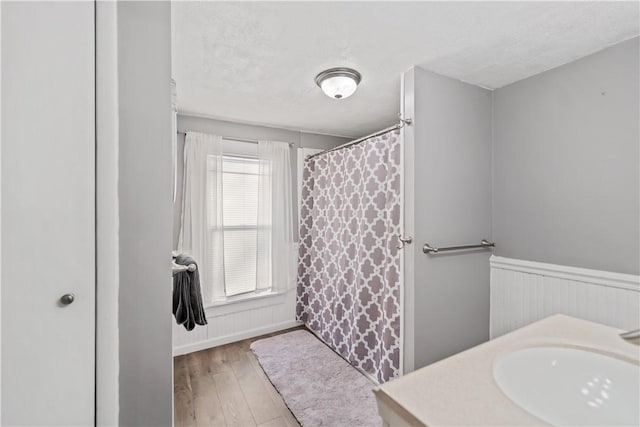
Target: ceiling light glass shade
(338, 83)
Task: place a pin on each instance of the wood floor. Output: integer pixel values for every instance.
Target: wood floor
(225, 386)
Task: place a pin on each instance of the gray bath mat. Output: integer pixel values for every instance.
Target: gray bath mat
(319, 387)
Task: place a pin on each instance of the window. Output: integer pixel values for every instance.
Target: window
(237, 217)
(240, 181)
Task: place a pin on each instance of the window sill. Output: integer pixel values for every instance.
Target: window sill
(245, 302)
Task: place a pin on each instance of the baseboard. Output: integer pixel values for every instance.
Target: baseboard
(227, 339)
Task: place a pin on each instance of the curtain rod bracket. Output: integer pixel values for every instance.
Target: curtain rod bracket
(408, 121)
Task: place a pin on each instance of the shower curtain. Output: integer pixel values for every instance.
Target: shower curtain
(348, 264)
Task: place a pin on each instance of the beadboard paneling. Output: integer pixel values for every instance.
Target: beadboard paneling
(524, 291)
(237, 321)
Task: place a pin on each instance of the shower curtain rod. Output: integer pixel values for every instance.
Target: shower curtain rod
(251, 141)
(398, 125)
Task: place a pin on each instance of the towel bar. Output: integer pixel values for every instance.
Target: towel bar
(176, 268)
(428, 249)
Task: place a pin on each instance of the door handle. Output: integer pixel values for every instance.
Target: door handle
(67, 299)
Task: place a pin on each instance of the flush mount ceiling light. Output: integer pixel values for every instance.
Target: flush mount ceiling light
(338, 83)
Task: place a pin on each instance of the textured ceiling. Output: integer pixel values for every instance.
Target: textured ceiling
(255, 62)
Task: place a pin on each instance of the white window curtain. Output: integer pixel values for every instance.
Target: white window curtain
(202, 227)
(277, 257)
(201, 231)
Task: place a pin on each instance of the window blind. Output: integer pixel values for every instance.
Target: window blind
(240, 216)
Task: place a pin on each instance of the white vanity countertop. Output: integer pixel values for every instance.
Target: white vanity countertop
(461, 390)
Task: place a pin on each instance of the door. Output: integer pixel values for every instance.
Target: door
(48, 211)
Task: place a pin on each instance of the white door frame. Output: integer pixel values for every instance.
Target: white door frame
(107, 205)
(408, 228)
(0, 213)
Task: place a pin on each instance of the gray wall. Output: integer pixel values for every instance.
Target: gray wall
(566, 182)
(448, 166)
(244, 131)
(144, 70)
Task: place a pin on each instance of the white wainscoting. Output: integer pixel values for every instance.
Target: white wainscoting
(525, 291)
(237, 321)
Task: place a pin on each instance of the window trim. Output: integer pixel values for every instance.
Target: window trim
(247, 302)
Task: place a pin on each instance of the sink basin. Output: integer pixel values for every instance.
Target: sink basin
(567, 386)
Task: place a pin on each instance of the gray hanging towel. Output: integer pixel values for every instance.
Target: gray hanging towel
(187, 298)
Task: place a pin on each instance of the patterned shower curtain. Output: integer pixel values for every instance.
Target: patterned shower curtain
(348, 265)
